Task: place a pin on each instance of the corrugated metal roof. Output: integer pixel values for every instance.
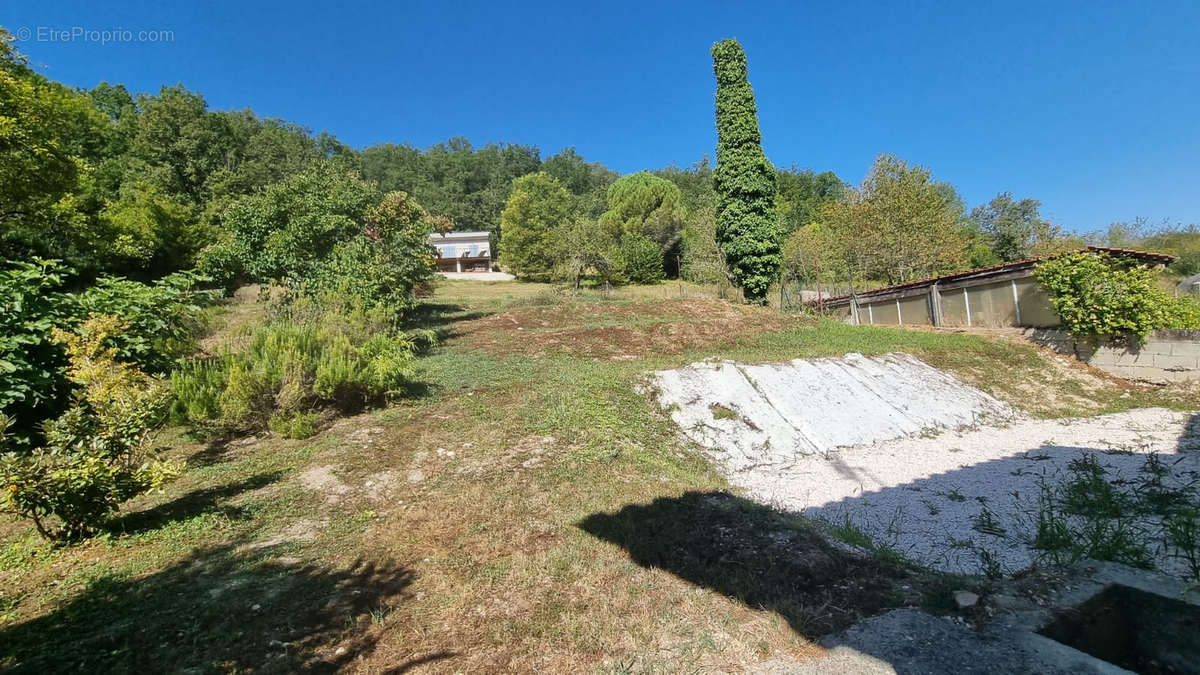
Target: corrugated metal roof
(1147, 256)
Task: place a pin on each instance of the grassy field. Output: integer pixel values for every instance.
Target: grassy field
(525, 510)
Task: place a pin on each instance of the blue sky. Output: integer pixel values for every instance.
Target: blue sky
(1091, 107)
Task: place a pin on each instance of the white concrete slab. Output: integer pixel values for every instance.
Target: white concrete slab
(785, 411)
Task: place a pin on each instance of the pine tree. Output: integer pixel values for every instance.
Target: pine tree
(744, 180)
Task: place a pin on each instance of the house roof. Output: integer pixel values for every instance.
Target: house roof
(983, 272)
(453, 236)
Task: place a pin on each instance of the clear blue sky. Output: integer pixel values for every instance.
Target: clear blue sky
(1091, 107)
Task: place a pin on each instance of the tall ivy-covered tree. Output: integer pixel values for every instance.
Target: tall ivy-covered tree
(745, 180)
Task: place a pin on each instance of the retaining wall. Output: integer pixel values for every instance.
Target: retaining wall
(1165, 356)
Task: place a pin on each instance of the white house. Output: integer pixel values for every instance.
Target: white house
(463, 251)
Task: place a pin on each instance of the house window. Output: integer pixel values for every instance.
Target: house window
(448, 251)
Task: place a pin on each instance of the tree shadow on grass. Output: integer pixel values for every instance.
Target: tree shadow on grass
(216, 610)
(440, 317)
(766, 559)
(197, 502)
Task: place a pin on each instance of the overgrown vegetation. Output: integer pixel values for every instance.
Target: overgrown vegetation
(1099, 296)
(1093, 514)
(158, 322)
(95, 454)
(333, 353)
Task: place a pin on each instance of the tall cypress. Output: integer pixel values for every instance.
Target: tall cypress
(747, 230)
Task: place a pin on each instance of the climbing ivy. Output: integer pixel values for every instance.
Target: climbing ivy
(745, 180)
(1100, 296)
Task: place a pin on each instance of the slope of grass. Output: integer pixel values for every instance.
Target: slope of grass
(527, 509)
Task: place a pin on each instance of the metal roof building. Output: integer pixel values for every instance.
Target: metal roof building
(1001, 295)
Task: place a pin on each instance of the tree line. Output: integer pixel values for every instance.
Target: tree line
(141, 185)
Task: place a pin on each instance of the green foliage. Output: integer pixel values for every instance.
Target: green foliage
(695, 185)
(335, 353)
(1015, 230)
(703, 262)
(454, 179)
(1101, 296)
(384, 266)
(641, 258)
(588, 248)
(159, 322)
(538, 208)
(328, 231)
(33, 385)
(803, 194)
(285, 232)
(295, 425)
(588, 182)
(149, 231)
(196, 386)
(745, 180)
(95, 455)
(644, 204)
(161, 318)
(1094, 514)
(898, 225)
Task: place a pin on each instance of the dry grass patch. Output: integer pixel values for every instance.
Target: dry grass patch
(619, 330)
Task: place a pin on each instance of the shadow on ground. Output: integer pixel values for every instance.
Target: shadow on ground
(440, 317)
(764, 558)
(192, 504)
(216, 610)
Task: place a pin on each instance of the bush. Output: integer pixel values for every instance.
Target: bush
(385, 267)
(313, 355)
(33, 383)
(1099, 296)
(642, 259)
(298, 425)
(327, 230)
(161, 319)
(158, 321)
(95, 456)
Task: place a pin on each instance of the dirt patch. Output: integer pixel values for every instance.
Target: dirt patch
(299, 531)
(619, 331)
(322, 479)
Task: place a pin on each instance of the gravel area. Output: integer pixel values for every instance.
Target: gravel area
(925, 497)
(897, 451)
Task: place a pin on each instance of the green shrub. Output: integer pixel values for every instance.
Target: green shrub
(95, 456)
(33, 383)
(327, 230)
(162, 318)
(197, 387)
(312, 355)
(642, 259)
(159, 321)
(1183, 314)
(295, 425)
(1100, 296)
(745, 181)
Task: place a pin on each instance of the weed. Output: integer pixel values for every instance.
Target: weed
(720, 412)
(987, 523)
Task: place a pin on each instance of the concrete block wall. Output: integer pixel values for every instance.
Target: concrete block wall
(1165, 356)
